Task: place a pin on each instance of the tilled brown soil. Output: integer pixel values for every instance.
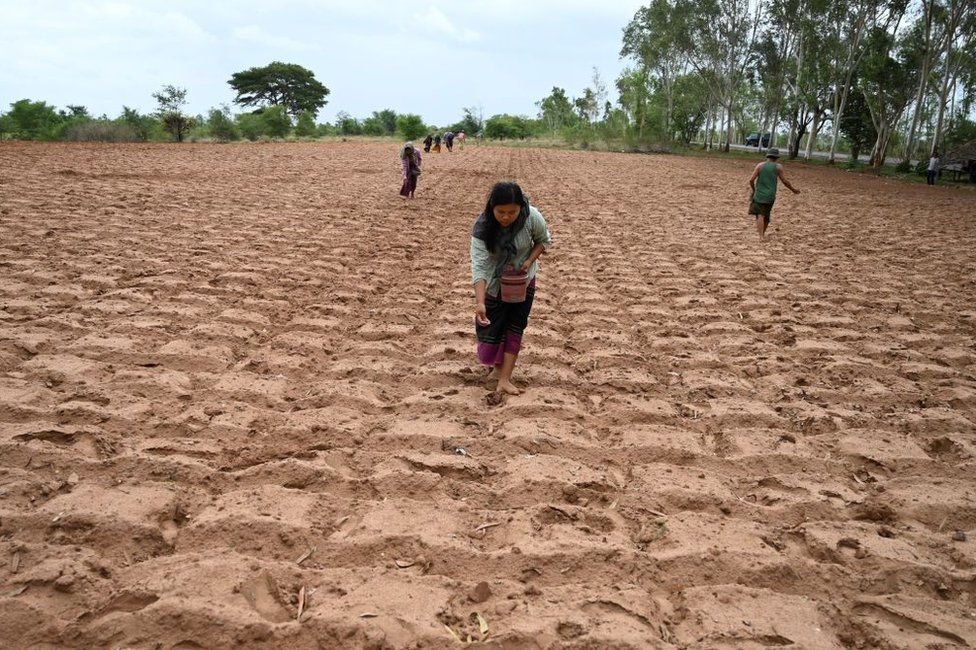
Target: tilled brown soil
(237, 381)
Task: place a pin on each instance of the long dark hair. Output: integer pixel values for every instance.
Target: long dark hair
(487, 228)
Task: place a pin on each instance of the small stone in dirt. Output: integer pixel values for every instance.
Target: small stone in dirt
(959, 536)
(570, 492)
(480, 593)
(65, 582)
(884, 531)
(494, 398)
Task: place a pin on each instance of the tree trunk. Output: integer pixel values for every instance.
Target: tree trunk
(835, 126)
(854, 54)
(814, 129)
(711, 133)
(728, 128)
(880, 151)
(927, 6)
(708, 126)
(956, 14)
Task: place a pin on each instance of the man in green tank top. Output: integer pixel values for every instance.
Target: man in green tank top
(763, 184)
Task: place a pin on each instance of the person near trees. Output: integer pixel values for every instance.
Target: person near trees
(429, 140)
(460, 139)
(506, 240)
(449, 141)
(437, 143)
(763, 189)
(410, 160)
(933, 169)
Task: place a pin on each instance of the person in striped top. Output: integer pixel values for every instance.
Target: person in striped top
(410, 160)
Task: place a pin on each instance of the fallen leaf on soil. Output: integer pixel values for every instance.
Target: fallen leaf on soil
(301, 603)
(307, 554)
(457, 637)
(368, 615)
(15, 563)
(482, 623)
(16, 591)
(486, 526)
(403, 564)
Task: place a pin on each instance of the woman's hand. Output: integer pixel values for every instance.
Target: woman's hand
(526, 265)
(481, 315)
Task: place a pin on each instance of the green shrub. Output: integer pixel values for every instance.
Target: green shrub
(101, 131)
(251, 126)
(221, 127)
(904, 167)
(305, 127)
(277, 121)
(410, 126)
(145, 127)
(29, 120)
(346, 124)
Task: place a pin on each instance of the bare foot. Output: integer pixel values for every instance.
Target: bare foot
(508, 388)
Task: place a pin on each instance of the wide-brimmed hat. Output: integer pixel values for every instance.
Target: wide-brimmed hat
(772, 153)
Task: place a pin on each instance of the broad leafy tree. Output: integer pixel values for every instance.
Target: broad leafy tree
(171, 101)
(29, 120)
(280, 84)
(410, 126)
(556, 110)
(222, 128)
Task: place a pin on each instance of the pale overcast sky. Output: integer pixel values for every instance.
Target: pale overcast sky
(431, 58)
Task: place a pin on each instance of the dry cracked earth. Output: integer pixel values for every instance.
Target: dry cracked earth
(239, 406)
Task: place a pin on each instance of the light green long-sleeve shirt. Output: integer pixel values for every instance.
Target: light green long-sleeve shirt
(483, 261)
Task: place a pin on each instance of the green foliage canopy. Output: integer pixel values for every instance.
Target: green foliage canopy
(32, 120)
(222, 128)
(499, 127)
(277, 121)
(280, 84)
(305, 126)
(410, 126)
(171, 100)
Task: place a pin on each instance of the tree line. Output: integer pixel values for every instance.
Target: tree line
(871, 77)
(283, 101)
(882, 74)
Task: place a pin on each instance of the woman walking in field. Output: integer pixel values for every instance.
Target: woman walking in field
(410, 161)
(507, 239)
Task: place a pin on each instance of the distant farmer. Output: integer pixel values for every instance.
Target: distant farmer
(764, 191)
(449, 140)
(410, 161)
(933, 168)
(460, 139)
(437, 143)
(427, 142)
(507, 239)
